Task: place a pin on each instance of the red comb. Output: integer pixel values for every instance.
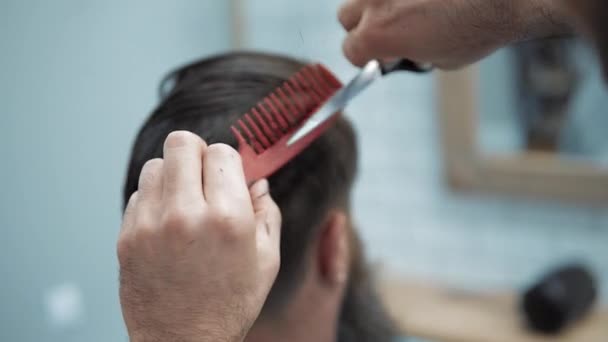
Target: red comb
(263, 132)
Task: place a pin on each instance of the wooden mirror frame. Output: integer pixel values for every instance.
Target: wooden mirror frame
(535, 174)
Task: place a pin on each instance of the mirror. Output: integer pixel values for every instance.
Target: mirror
(544, 96)
(528, 120)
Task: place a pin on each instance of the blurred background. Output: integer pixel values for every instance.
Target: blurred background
(77, 78)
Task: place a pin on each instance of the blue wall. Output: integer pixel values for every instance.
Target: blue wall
(76, 80)
(78, 77)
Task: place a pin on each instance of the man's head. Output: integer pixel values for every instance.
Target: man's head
(322, 285)
(591, 17)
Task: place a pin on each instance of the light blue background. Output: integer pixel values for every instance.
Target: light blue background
(78, 77)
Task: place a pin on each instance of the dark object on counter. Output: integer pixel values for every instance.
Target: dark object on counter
(561, 298)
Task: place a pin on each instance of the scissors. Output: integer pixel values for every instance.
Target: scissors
(372, 71)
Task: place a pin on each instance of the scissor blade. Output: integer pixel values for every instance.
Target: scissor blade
(339, 101)
(333, 105)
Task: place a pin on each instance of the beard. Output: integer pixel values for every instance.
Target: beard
(363, 317)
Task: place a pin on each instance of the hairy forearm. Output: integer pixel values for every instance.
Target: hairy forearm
(179, 333)
(165, 337)
(540, 19)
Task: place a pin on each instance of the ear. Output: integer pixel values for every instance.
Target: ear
(333, 255)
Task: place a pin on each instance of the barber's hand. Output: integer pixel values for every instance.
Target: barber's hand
(446, 33)
(198, 250)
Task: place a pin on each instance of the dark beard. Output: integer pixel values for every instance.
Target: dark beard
(363, 317)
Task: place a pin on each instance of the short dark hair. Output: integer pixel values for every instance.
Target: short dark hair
(206, 97)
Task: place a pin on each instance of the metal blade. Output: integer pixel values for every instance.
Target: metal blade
(338, 102)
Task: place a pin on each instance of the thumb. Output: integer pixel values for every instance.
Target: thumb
(267, 213)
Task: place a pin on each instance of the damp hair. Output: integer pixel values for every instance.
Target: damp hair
(206, 97)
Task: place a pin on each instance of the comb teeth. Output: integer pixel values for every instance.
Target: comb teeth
(286, 108)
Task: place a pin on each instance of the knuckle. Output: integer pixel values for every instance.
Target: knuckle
(229, 223)
(132, 199)
(153, 164)
(366, 38)
(143, 225)
(384, 19)
(150, 172)
(357, 47)
(123, 248)
(233, 234)
(223, 215)
(377, 3)
(143, 233)
(344, 14)
(223, 150)
(349, 51)
(181, 138)
(178, 219)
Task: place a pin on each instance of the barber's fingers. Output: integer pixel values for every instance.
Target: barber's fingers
(224, 179)
(356, 48)
(150, 184)
(350, 14)
(128, 218)
(182, 171)
(150, 187)
(366, 42)
(267, 213)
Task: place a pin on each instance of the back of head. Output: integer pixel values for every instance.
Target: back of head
(206, 97)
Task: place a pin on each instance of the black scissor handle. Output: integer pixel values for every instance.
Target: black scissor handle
(405, 65)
